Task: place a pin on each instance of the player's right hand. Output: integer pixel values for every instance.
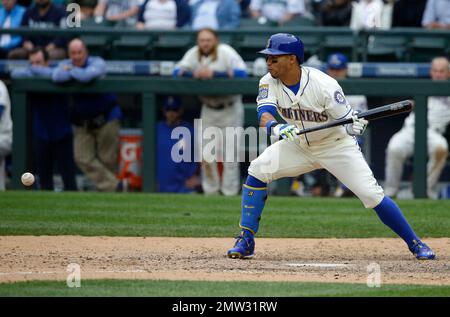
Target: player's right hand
(286, 131)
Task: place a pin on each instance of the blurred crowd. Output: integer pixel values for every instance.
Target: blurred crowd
(213, 14)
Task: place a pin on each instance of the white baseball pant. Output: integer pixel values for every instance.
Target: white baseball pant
(401, 146)
(341, 157)
(231, 182)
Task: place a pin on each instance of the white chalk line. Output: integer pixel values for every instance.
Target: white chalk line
(321, 265)
(65, 272)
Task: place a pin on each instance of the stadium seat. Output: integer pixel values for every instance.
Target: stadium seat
(252, 23)
(300, 21)
(227, 39)
(250, 44)
(171, 46)
(424, 48)
(131, 47)
(345, 44)
(312, 44)
(385, 48)
(99, 45)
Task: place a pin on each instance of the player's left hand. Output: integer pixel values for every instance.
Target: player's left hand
(286, 131)
(358, 126)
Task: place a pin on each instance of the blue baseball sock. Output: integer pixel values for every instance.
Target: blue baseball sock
(391, 215)
(254, 195)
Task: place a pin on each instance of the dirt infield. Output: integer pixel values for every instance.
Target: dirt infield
(24, 258)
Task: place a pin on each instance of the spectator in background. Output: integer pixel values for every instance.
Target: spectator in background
(401, 145)
(52, 129)
(163, 14)
(245, 10)
(370, 14)
(437, 14)
(24, 3)
(124, 11)
(86, 7)
(335, 12)
(5, 131)
(42, 15)
(277, 11)
(175, 177)
(95, 116)
(207, 60)
(215, 14)
(10, 17)
(408, 13)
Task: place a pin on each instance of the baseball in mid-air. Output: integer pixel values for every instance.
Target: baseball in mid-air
(27, 179)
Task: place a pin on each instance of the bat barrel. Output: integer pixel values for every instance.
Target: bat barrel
(373, 114)
(388, 110)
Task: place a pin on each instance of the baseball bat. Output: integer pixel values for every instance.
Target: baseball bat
(370, 115)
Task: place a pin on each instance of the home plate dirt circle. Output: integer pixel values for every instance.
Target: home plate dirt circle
(24, 258)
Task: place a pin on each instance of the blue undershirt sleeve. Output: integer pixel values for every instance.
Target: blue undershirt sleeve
(270, 109)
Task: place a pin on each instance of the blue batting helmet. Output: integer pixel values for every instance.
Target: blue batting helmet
(284, 43)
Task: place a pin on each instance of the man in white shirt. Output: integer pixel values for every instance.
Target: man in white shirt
(207, 60)
(278, 11)
(158, 14)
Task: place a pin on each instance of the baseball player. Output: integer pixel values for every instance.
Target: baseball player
(401, 145)
(305, 97)
(212, 59)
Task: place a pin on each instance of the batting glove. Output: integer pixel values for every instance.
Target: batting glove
(286, 131)
(358, 126)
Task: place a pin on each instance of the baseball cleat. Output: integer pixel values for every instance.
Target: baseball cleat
(421, 251)
(244, 247)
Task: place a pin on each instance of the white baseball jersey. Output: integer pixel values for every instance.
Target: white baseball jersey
(318, 101)
(227, 61)
(438, 115)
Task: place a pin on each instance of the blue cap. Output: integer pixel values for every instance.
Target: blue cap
(337, 61)
(284, 43)
(172, 103)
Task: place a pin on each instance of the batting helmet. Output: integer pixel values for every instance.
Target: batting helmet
(284, 43)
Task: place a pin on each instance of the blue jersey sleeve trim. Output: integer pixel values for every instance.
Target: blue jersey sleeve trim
(269, 126)
(267, 104)
(266, 108)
